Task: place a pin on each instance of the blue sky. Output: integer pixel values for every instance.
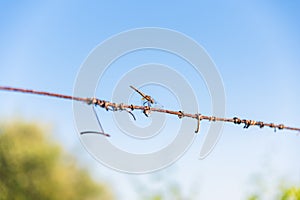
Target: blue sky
(255, 46)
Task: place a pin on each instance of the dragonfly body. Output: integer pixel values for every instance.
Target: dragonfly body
(146, 97)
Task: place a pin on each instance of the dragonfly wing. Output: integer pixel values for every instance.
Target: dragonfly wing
(158, 105)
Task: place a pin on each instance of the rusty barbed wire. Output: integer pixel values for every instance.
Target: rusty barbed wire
(111, 106)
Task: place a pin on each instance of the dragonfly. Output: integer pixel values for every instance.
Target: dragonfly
(147, 99)
(101, 131)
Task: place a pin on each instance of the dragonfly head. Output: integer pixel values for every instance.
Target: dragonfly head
(152, 101)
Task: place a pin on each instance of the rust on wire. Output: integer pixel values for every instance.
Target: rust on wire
(86, 100)
(109, 106)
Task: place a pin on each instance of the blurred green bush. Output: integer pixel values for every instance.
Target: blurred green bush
(34, 167)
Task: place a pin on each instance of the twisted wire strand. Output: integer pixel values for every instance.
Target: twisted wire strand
(110, 106)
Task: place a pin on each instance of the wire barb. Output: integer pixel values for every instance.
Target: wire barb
(180, 114)
(198, 122)
(101, 132)
(121, 108)
(212, 118)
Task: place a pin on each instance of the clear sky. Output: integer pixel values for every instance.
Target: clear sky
(254, 44)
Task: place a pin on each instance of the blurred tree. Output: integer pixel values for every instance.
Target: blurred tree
(33, 167)
(292, 193)
(170, 191)
(253, 197)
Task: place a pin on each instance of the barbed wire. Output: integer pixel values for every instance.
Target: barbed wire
(111, 106)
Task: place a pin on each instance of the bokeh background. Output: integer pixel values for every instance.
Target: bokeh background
(255, 46)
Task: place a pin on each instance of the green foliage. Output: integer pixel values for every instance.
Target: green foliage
(170, 191)
(33, 167)
(292, 193)
(253, 197)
